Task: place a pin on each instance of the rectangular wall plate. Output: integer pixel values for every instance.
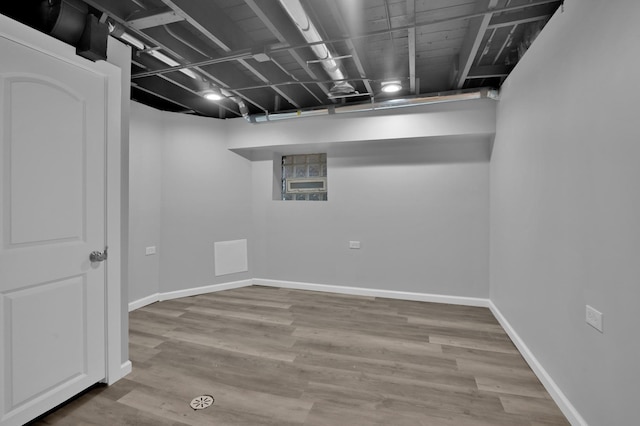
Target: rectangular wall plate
(594, 318)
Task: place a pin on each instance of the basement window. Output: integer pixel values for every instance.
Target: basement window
(304, 177)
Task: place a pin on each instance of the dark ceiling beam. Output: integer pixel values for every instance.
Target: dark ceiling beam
(223, 59)
(208, 76)
(387, 12)
(222, 26)
(305, 86)
(293, 83)
(215, 20)
(155, 20)
(164, 98)
(506, 43)
(476, 31)
(350, 45)
(186, 84)
(277, 24)
(247, 53)
(523, 16)
(490, 71)
(264, 79)
(179, 95)
(153, 42)
(411, 45)
(227, 87)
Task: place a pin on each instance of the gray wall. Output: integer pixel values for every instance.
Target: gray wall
(187, 191)
(206, 197)
(565, 205)
(420, 211)
(145, 204)
(419, 206)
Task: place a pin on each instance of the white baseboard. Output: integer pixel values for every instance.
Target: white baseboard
(205, 289)
(140, 303)
(389, 294)
(558, 396)
(125, 368)
(159, 297)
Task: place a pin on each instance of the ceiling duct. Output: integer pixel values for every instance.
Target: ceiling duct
(453, 96)
(63, 19)
(297, 13)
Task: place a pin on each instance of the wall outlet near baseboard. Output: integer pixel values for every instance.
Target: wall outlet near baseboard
(150, 250)
(594, 318)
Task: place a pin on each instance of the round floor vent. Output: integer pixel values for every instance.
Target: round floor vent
(201, 402)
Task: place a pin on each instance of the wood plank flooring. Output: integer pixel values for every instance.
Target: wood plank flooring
(288, 357)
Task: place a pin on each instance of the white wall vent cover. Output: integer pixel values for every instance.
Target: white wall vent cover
(230, 257)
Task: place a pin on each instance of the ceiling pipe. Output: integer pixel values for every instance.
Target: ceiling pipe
(453, 96)
(298, 15)
(119, 31)
(242, 106)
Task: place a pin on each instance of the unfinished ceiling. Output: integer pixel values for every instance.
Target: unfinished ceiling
(262, 57)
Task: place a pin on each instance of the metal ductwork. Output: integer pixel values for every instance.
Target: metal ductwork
(63, 19)
(453, 96)
(297, 13)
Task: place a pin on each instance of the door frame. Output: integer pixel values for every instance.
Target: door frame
(115, 367)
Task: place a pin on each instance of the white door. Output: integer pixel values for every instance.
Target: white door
(52, 215)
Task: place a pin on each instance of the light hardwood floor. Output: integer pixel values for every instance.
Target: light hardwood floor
(290, 357)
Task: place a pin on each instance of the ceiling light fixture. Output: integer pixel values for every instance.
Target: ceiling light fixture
(118, 31)
(213, 94)
(172, 63)
(391, 86)
(132, 41)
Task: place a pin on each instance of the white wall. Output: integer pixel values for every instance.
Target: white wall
(119, 54)
(565, 205)
(420, 211)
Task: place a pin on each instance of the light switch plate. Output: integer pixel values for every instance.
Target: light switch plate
(594, 318)
(354, 244)
(150, 250)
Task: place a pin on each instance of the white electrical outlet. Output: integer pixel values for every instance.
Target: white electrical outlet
(594, 318)
(150, 250)
(354, 244)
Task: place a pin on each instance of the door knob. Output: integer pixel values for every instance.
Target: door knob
(97, 256)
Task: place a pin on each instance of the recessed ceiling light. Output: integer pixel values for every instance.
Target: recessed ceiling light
(391, 86)
(213, 96)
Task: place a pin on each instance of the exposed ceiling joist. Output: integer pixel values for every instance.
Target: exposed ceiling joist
(475, 33)
(196, 24)
(268, 82)
(264, 11)
(155, 20)
(490, 71)
(523, 16)
(411, 42)
(205, 25)
(247, 53)
(164, 98)
(255, 54)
